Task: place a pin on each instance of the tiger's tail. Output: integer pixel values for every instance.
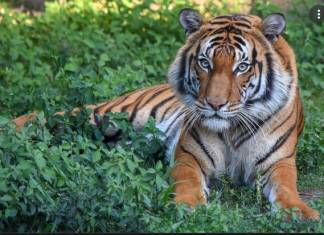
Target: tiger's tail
(22, 120)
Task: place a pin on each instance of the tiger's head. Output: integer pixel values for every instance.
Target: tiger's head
(232, 69)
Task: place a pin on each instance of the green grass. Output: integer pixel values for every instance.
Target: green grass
(64, 176)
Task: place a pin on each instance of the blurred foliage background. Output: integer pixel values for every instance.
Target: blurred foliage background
(70, 53)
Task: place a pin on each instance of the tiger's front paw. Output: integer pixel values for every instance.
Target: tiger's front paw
(304, 212)
(310, 214)
(191, 199)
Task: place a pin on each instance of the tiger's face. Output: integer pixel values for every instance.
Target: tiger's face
(228, 72)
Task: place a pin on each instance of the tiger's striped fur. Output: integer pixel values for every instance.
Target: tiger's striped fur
(232, 106)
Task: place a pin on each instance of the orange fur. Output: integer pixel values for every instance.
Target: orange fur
(284, 176)
(187, 176)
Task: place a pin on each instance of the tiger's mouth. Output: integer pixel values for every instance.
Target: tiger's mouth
(217, 122)
(221, 115)
(214, 116)
(226, 112)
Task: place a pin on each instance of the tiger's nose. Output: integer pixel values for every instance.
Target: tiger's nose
(216, 102)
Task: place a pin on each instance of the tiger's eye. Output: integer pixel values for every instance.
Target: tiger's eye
(204, 63)
(242, 67)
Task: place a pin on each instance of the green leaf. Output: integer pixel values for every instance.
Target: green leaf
(3, 121)
(60, 182)
(160, 182)
(40, 161)
(131, 165)
(72, 66)
(25, 165)
(96, 156)
(6, 198)
(103, 59)
(29, 191)
(3, 186)
(9, 212)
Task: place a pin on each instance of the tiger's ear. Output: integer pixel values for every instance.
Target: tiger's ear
(273, 25)
(190, 20)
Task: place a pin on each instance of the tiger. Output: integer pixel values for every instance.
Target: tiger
(231, 106)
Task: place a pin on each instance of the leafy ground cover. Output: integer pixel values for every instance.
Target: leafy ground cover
(65, 176)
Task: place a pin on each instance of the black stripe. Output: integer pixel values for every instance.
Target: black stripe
(266, 171)
(238, 46)
(219, 22)
(114, 105)
(183, 61)
(280, 141)
(189, 70)
(250, 84)
(288, 156)
(197, 49)
(200, 166)
(96, 110)
(239, 40)
(244, 136)
(196, 137)
(211, 46)
(205, 36)
(173, 121)
(243, 19)
(191, 80)
(138, 100)
(257, 89)
(119, 102)
(242, 25)
(221, 136)
(283, 122)
(219, 31)
(216, 39)
(245, 57)
(230, 28)
(235, 30)
(136, 108)
(123, 109)
(167, 110)
(254, 55)
(159, 105)
(270, 80)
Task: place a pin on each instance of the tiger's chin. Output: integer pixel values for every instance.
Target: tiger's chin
(216, 124)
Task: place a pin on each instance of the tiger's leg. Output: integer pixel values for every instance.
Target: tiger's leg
(20, 121)
(281, 187)
(190, 181)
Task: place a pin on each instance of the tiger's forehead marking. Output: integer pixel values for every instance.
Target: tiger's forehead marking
(237, 19)
(227, 35)
(231, 18)
(227, 39)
